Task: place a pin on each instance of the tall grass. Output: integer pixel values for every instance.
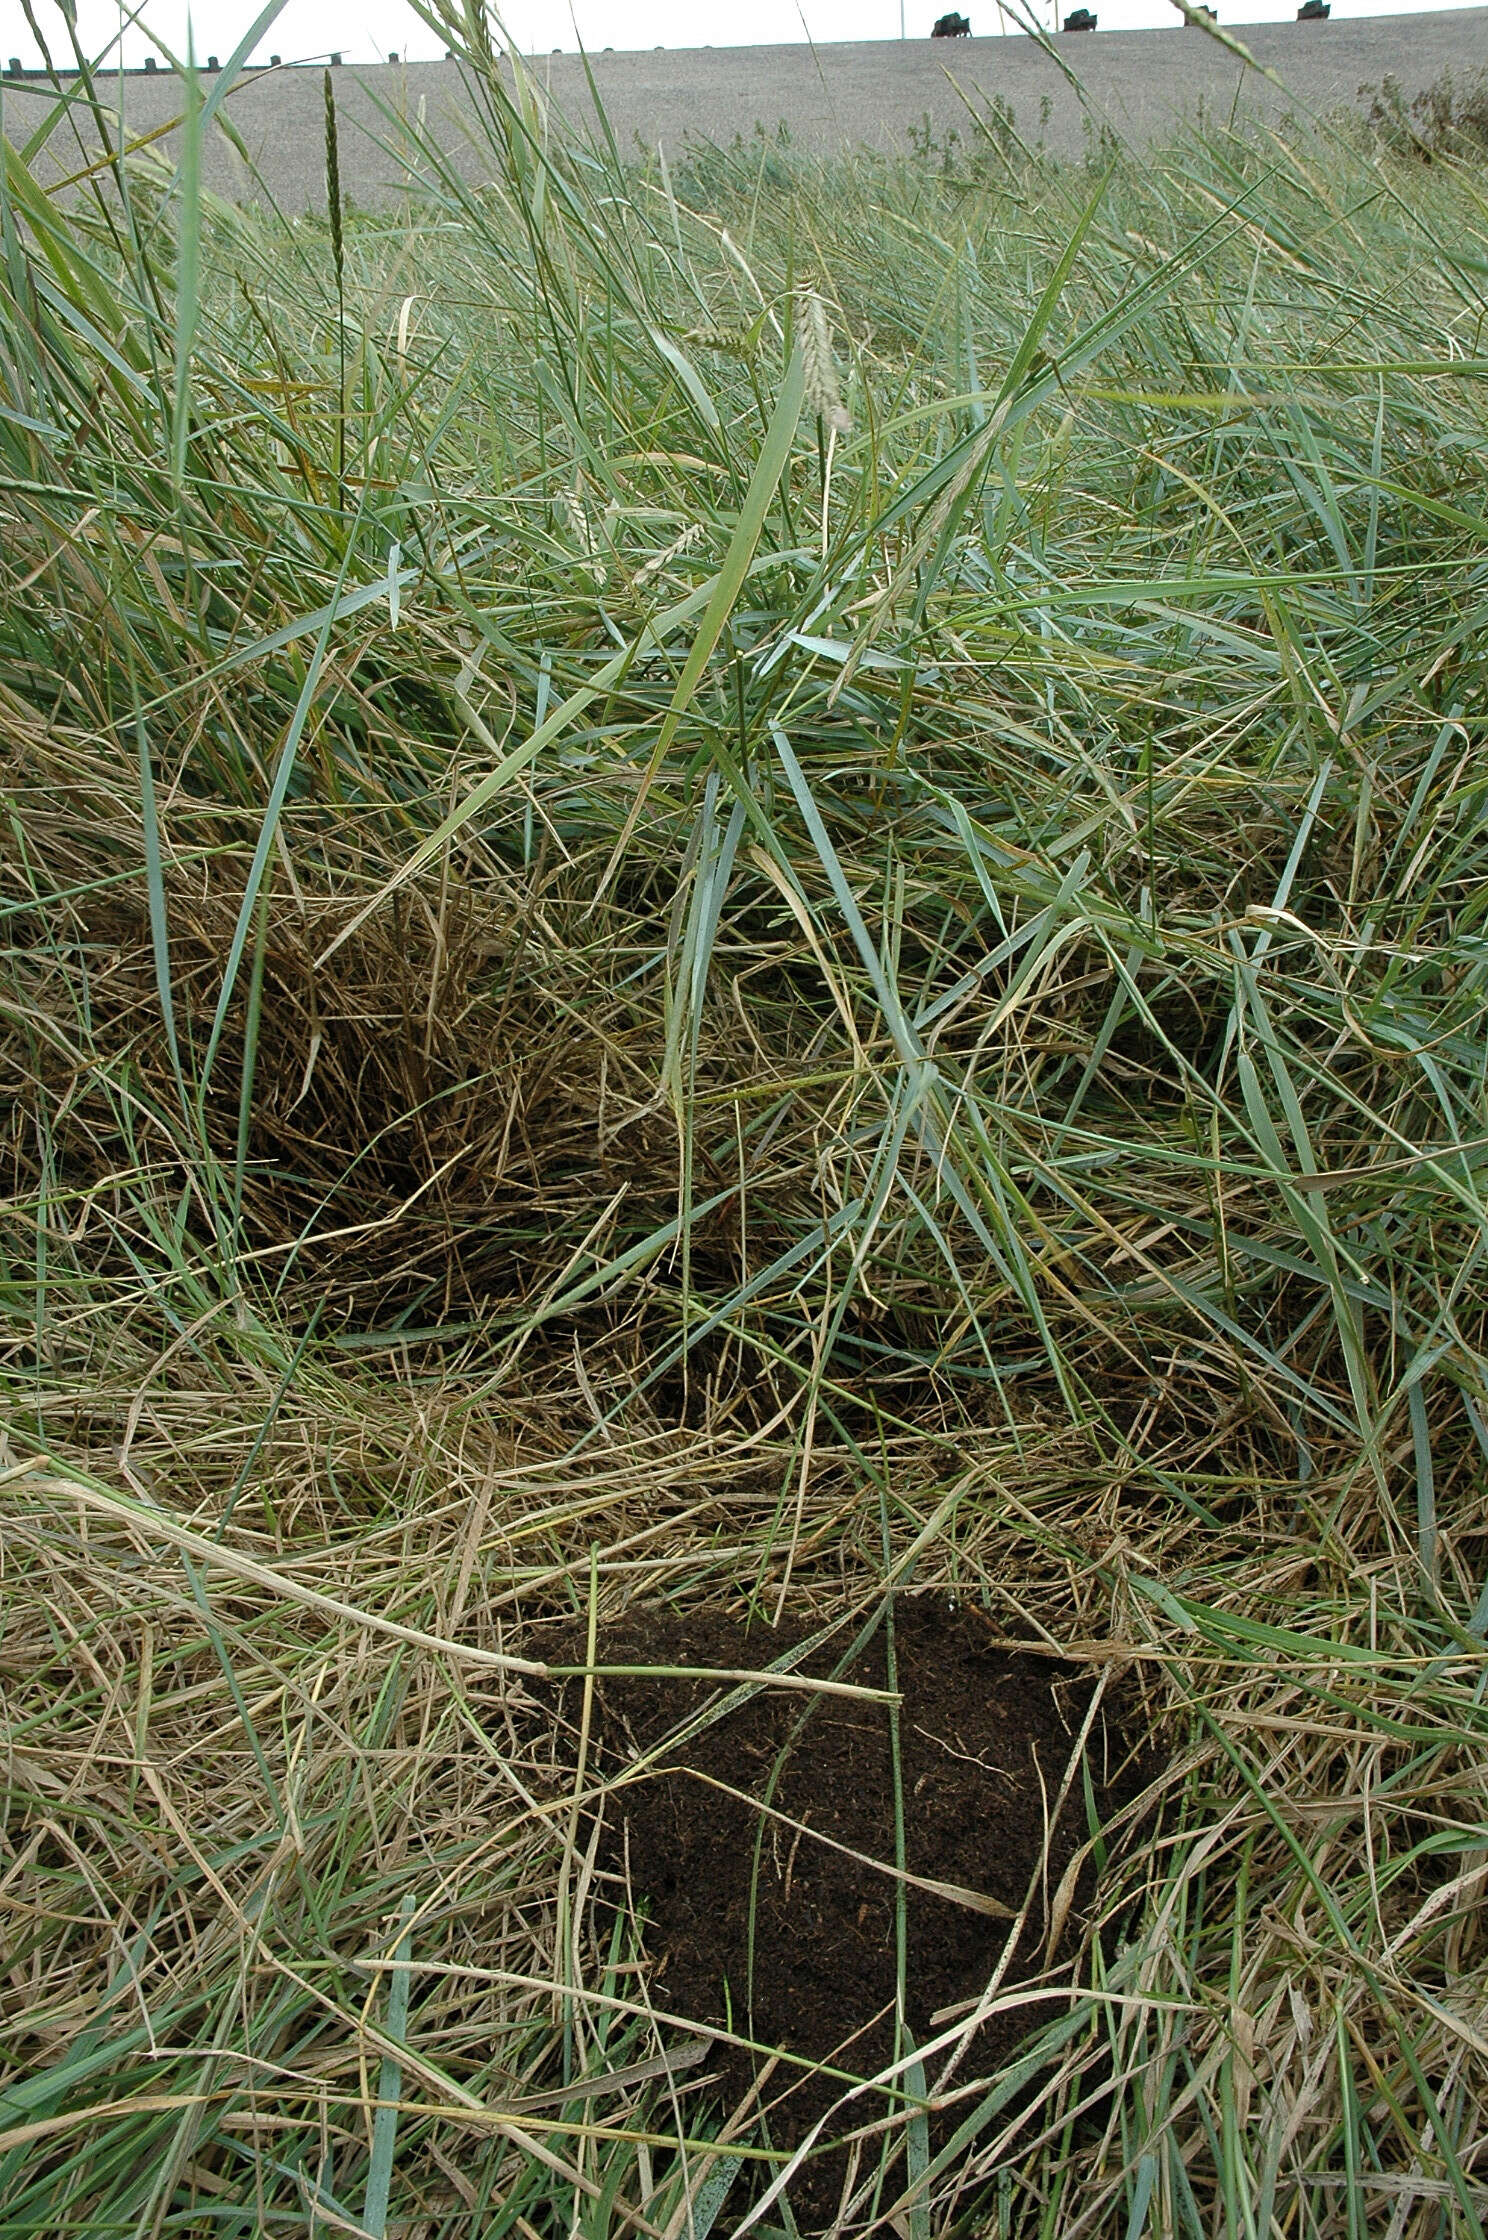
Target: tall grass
(612, 990)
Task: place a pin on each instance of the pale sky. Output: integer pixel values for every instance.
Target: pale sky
(369, 30)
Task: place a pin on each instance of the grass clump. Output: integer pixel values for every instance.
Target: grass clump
(1449, 117)
(614, 989)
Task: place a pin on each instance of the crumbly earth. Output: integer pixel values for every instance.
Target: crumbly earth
(756, 1924)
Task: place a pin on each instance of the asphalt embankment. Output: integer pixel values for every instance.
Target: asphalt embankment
(873, 94)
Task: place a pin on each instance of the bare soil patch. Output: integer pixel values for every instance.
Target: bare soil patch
(739, 1845)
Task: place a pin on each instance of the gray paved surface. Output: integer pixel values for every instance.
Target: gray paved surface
(871, 93)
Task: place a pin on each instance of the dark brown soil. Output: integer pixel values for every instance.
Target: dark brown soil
(759, 1927)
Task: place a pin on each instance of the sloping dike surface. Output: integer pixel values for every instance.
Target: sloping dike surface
(756, 1843)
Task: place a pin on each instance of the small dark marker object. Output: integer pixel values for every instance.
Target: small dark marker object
(1314, 11)
(213, 63)
(1081, 20)
(13, 67)
(336, 60)
(150, 63)
(273, 61)
(953, 26)
(393, 56)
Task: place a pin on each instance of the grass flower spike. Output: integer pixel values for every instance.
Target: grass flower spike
(822, 391)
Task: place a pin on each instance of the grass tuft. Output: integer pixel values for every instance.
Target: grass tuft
(602, 998)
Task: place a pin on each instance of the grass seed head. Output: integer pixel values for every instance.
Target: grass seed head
(333, 186)
(823, 393)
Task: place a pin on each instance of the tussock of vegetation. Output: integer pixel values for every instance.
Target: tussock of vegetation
(1449, 117)
(613, 992)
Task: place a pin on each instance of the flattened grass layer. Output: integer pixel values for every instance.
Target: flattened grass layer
(611, 991)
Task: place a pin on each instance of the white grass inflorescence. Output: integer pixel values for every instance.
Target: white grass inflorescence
(823, 393)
